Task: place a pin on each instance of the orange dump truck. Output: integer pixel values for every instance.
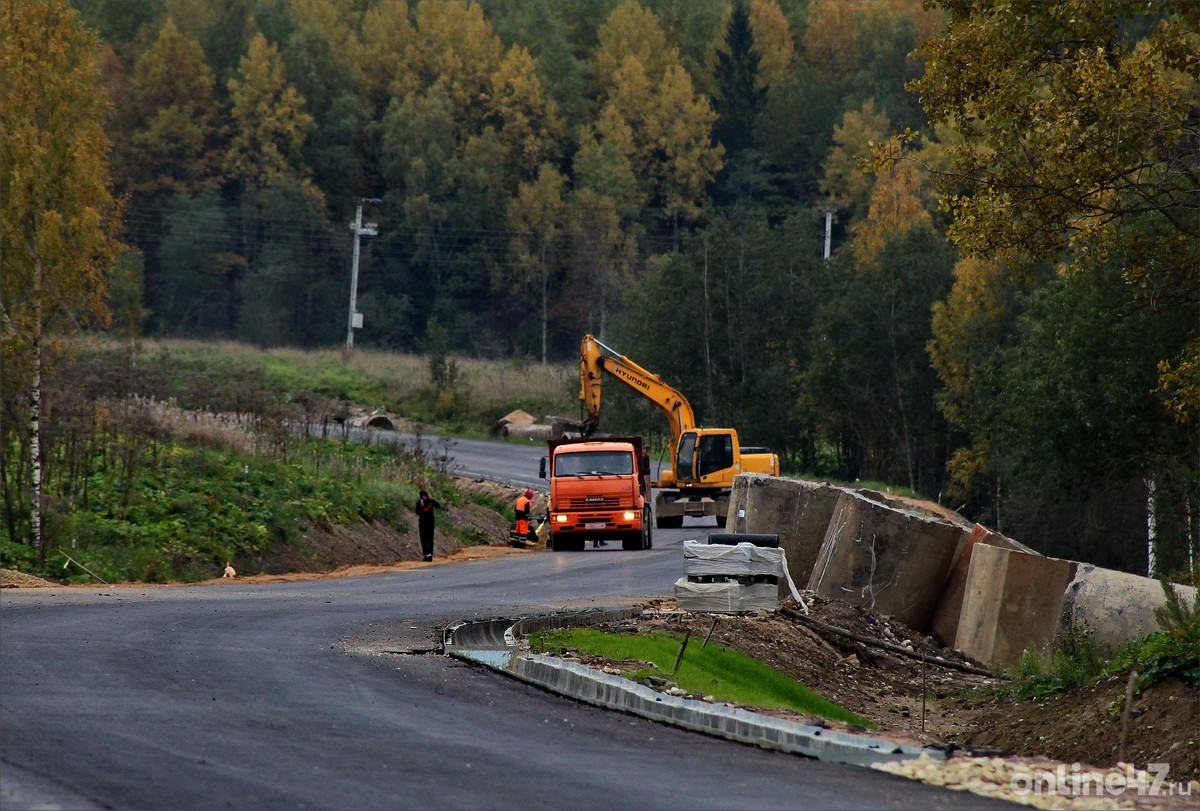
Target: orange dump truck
(599, 490)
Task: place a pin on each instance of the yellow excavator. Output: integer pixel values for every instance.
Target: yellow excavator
(699, 477)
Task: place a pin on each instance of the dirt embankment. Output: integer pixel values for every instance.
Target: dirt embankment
(341, 551)
(323, 550)
(925, 703)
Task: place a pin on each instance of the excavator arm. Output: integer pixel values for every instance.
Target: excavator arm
(703, 462)
(596, 359)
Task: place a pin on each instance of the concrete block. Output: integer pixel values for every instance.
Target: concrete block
(796, 510)
(728, 597)
(887, 560)
(944, 624)
(1012, 601)
(741, 560)
(1116, 607)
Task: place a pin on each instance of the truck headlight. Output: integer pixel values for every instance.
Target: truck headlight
(560, 518)
(630, 515)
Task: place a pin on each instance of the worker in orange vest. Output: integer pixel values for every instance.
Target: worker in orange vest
(523, 507)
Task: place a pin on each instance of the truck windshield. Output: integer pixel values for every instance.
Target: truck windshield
(595, 463)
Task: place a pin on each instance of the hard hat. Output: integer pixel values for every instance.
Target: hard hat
(528, 494)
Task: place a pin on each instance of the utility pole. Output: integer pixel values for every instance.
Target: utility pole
(360, 230)
(828, 230)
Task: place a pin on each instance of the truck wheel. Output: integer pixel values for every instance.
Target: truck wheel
(632, 541)
(721, 519)
(669, 521)
(647, 529)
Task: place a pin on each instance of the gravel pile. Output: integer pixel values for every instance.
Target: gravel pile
(11, 579)
(1050, 784)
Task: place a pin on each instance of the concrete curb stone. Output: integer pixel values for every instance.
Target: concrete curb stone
(493, 642)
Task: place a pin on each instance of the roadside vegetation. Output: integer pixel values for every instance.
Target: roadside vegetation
(703, 670)
(168, 462)
(445, 394)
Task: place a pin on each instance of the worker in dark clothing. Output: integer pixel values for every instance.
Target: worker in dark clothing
(425, 523)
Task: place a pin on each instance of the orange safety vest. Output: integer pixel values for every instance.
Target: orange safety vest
(523, 505)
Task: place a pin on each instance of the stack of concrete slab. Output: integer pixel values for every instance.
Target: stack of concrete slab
(728, 579)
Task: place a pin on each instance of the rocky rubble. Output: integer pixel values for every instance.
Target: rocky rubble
(1050, 784)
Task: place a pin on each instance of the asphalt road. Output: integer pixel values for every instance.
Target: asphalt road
(511, 462)
(316, 694)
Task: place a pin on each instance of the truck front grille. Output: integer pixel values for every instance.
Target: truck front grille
(595, 503)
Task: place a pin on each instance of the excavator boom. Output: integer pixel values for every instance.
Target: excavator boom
(595, 359)
(703, 461)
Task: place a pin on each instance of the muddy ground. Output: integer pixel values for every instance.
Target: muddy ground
(902, 697)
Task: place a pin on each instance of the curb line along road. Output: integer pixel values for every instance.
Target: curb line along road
(493, 643)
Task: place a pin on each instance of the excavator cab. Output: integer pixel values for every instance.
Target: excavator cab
(702, 453)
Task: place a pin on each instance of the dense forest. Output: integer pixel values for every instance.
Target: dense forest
(953, 246)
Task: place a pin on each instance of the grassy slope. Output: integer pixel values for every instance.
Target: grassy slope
(724, 674)
(167, 487)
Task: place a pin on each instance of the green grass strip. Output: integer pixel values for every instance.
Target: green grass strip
(711, 670)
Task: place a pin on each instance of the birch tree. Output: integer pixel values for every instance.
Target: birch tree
(57, 237)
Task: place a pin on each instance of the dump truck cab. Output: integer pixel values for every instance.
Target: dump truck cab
(599, 490)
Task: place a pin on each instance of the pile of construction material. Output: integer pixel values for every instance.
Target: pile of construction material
(975, 590)
(728, 579)
(523, 425)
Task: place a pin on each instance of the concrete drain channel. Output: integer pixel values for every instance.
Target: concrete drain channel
(494, 643)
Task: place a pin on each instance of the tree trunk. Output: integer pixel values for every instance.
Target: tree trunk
(708, 367)
(1151, 529)
(545, 303)
(37, 536)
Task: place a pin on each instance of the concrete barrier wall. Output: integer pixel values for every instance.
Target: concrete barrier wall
(1015, 601)
(1115, 607)
(915, 506)
(890, 561)
(944, 623)
(1012, 601)
(987, 595)
(796, 510)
